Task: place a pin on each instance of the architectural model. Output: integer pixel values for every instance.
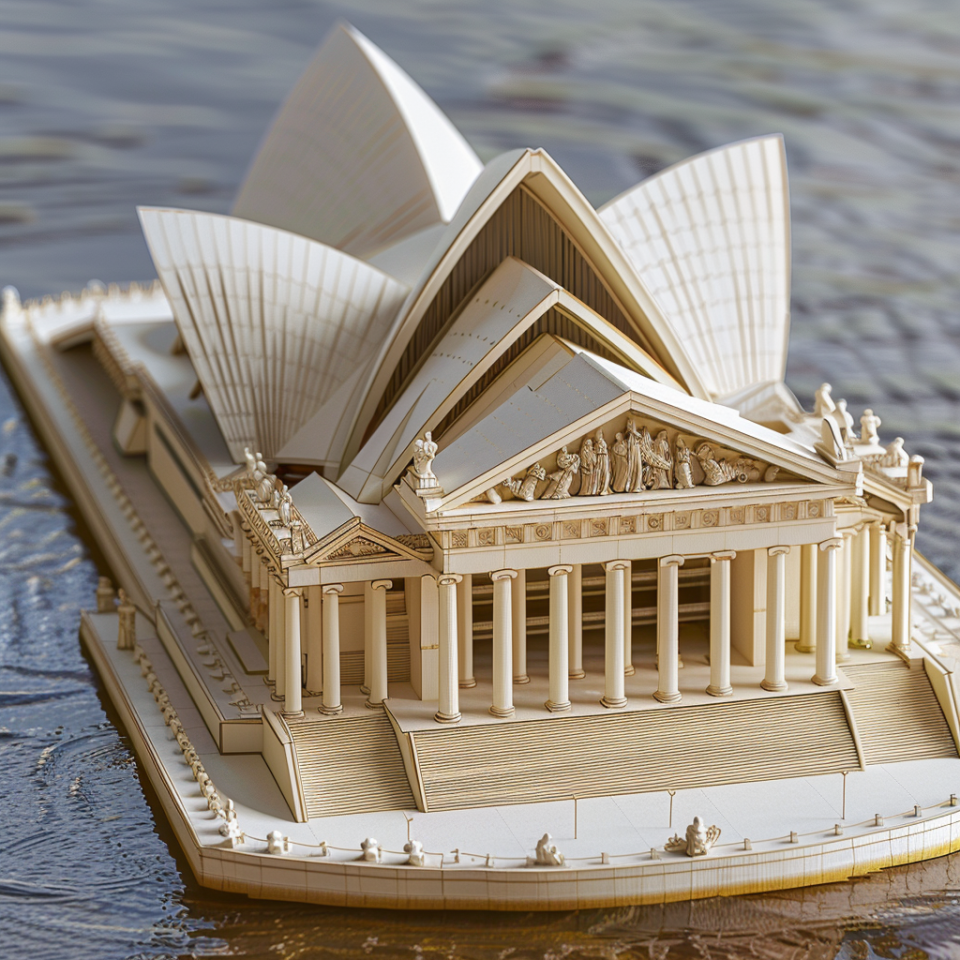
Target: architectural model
(472, 551)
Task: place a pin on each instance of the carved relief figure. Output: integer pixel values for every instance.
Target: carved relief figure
(588, 469)
(715, 471)
(661, 462)
(684, 472)
(568, 465)
(634, 459)
(526, 489)
(603, 464)
(619, 483)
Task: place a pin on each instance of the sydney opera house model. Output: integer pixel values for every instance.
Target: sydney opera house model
(472, 551)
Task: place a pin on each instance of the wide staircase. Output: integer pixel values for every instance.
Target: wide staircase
(640, 751)
(897, 713)
(350, 765)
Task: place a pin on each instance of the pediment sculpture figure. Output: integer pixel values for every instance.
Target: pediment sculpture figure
(697, 840)
(657, 461)
(424, 453)
(547, 853)
(634, 459)
(526, 489)
(683, 478)
(286, 507)
(588, 468)
(619, 450)
(568, 465)
(603, 465)
(715, 470)
(869, 427)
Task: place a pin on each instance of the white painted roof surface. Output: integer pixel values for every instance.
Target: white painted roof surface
(359, 156)
(273, 323)
(710, 239)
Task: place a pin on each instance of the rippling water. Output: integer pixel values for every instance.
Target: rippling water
(109, 103)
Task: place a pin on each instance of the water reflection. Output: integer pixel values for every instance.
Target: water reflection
(106, 105)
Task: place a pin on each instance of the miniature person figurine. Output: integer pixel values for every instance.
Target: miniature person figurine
(684, 472)
(568, 464)
(414, 851)
(869, 425)
(603, 464)
(424, 453)
(698, 839)
(286, 507)
(661, 463)
(823, 405)
(619, 482)
(277, 843)
(895, 456)
(126, 623)
(588, 472)
(105, 596)
(547, 853)
(844, 422)
(371, 850)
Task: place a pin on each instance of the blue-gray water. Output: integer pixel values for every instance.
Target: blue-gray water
(106, 104)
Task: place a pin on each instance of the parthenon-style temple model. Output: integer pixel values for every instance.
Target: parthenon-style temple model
(438, 489)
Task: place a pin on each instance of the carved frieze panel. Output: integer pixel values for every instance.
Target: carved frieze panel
(634, 455)
(487, 536)
(570, 529)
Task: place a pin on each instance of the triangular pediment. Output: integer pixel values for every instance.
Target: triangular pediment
(355, 542)
(657, 440)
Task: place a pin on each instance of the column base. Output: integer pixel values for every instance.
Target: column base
(558, 707)
(292, 714)
(614, 703)
(522, 678)
(312, 693)
(824, 681)
(331, 711)
(629, 670)
(577, 675)
(446, 717)
(800, 648)
(861, 644)
(902, 652)
(665, 697)
(269, 682)
(719, 691)
(364, 689)
(842, 655)
(278, 697)
(468, 683)
(503, 713)
(772, 686)
(372, 705)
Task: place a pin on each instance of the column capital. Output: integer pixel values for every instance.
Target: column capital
(503, 575)
(331, 589)
(292, 591)
(561, 570)
(381, 584)
(724, 555)
(778, 550)
(847, 532)
(834, 543)
(448, 579)
(616, 565)
(673, 560)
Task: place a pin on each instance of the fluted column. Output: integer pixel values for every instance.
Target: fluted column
(502, 642)
(331, 649)
(277, 618)
(575, 621)
(613, 689)
(465, 632)
(245, 563)
(628, 667)
(773, 679)
(878, 570)
(808, 598)
(263, 610)
(860, 587)
(843, 596)
(520, 628)
(668, 629)
(901, 596)
(826, 612)
(367, 636)
(559, 700)
(720, 624)
(448, 705)
(292, 705)
(378, 643)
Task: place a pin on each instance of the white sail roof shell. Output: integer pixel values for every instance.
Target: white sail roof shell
(273, 323)
(358, 157)
(709, 237)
